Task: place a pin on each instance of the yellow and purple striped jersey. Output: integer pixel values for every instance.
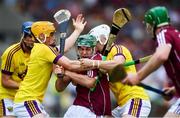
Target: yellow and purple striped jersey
(35, 82)
(14, 63)
(122, 92)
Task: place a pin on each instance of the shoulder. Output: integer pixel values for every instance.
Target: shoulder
(97, 56)
(124, 49)
(167, 32)
(115, 49)
(167, 35)
(44, 48)
(12, 49)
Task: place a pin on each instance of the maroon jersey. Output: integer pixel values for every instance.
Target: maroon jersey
(169, 35)
(98, 101)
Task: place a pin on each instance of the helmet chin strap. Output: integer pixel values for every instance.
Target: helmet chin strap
(22, 37)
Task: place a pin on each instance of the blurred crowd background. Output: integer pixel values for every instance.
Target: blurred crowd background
(14, 12)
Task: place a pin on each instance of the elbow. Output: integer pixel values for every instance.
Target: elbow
(4, 83)
(162, 54)
(91, 84)
(162, 57)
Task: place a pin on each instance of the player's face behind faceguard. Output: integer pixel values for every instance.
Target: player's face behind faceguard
(51, 40)
(150, 29)
(26, 39)
(86, 46)
(85, 52)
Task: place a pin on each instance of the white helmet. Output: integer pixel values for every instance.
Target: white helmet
(100, 30)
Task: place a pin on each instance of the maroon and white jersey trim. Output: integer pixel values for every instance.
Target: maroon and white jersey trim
(161, 37)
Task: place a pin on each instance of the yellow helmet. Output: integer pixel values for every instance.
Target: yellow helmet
(42, 27)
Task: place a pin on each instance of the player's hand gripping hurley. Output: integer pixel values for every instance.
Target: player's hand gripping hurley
(62, 17)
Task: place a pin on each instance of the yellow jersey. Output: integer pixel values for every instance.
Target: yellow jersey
(14, 63)
(35, 82)
(122, 92)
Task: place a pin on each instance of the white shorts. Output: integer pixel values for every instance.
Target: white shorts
(6, 107)
(29, 109)
(175, 108)
(134, 107)
(76, 111)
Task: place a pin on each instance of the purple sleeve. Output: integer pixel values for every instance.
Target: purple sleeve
(6, 72)
(57, 58)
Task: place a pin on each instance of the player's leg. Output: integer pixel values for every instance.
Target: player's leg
(29, 109)
(79, 111)
(136, 108)
(6, 108)
(174, 110)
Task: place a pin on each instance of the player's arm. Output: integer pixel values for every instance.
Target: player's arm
(79, 25)
(51, 55)
(117, 60)
(80, 79)
(109, 65)
(67, 76)
(159, 57)
(72, 65)
(8, 82)
(105, 65)
(62, 83)
(7, 69)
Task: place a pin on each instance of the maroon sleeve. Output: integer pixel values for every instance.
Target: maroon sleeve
(164, 37)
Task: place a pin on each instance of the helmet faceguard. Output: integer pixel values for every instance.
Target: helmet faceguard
(101, 33)
(86, 41)
(41, 30)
